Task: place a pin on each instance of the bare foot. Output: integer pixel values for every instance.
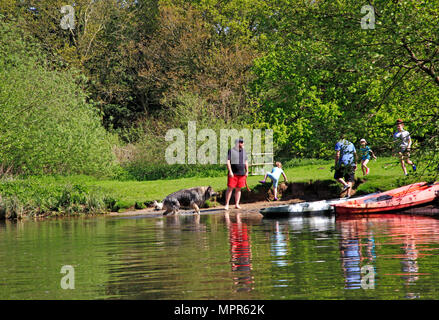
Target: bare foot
(237, 206)
(226, 207)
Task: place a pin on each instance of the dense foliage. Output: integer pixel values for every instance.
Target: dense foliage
(46, 124)
(323, 73)
(306, 69)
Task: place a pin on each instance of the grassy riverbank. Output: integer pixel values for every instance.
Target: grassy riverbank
(385, 174)
(58, 195)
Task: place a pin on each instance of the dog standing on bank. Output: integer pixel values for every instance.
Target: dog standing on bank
(192, 198)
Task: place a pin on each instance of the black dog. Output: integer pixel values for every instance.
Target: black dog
(193, 198)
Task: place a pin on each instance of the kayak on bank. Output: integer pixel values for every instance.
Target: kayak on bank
(400, 198)
(312, 207)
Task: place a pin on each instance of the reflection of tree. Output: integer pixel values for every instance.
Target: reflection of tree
(240, 251)
(148, 258)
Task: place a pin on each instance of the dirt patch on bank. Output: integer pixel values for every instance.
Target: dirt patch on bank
(306, 191)
(262, 196)
(249, 210)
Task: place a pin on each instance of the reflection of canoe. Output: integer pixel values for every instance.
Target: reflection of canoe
(316, 207)
(396, 199)
(302, 207)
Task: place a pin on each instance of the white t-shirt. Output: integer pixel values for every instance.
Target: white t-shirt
(276, 172)
(403, 138)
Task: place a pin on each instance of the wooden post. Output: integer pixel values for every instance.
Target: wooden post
(254, 164)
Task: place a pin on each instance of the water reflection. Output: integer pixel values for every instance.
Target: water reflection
(146, 257)
(352, 232)
(221, 256)
(412, 234)
(410, 265)
(240, 251)
(279, 244)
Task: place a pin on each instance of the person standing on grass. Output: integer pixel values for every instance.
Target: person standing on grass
(365, 153)
(237, 167)
(345, 164)
(274, 175)
(403, 144)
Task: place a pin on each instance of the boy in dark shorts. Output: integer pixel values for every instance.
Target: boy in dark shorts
(237, 167)
(403, 143)
(345, 164)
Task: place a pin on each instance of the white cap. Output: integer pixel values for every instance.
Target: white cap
(363, 140)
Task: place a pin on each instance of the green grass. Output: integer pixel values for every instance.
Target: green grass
(385, 174)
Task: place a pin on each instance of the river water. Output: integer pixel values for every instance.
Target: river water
(217, 256)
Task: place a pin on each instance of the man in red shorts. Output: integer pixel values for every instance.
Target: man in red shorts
(237, 166)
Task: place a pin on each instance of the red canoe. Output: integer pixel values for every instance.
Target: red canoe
(404, 197)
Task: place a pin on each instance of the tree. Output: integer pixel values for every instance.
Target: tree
(183, 57)
(324, 73)
(46, 125)
(98, 44)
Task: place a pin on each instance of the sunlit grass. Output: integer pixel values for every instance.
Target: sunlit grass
(385, 174)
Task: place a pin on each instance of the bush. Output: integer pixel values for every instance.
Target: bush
(145, 171)
(46, 124)
(36, 196)
(139, 205)
(297, 162)
(11, 208)
(143, 158)
(122, 205)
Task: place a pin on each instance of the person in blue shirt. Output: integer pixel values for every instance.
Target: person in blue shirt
(274, 175)
(365, 153)
(345, 164)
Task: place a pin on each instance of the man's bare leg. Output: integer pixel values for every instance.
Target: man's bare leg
(348, 193)
(341, 180)
(228, 196)
(237, 197)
